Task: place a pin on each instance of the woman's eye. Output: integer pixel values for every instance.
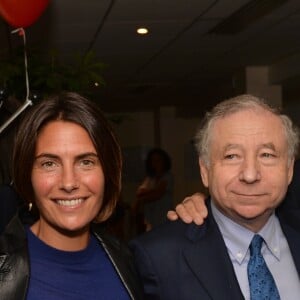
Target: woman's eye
(48, 164)
(87, 162)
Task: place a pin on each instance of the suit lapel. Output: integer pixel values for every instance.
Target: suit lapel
(211, 264)
(295, 249)
(290, 224)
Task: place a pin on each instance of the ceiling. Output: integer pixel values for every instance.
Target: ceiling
(190, 56)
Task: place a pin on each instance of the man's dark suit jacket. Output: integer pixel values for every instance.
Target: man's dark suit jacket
(292, 199)
(186, 261)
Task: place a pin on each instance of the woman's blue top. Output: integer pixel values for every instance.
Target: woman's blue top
(72, 275)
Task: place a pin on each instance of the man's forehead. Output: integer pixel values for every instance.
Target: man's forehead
(260, 126)
(249, 118)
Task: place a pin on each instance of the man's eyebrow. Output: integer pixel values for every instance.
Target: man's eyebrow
(269, 146)
(231, 146)
(264, 145)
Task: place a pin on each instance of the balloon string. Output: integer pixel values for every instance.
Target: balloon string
(27, 102)
(21, 32)
(19, 111)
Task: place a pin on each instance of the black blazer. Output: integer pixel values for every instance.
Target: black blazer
(186, 261)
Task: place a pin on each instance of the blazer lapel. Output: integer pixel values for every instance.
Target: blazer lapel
(211, 264)
(295, 249)
(290, 224)
(122, 261)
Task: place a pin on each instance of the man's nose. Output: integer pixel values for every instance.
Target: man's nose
(250, 170)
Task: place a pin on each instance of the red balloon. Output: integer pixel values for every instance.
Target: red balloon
(22, 13)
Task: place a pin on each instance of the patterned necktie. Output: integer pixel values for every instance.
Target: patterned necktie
(261, 281)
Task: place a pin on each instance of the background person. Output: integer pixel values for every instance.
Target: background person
(155, 194)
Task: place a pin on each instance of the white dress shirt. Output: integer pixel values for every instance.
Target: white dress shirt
(275, 251)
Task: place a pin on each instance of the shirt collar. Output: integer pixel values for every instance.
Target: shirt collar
(238, 238)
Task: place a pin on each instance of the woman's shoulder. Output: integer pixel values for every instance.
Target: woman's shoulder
(109, 241)
(14, 235)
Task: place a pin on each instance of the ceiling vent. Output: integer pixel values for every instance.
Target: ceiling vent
(246, 15)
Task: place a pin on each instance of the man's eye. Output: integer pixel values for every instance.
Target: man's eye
(268, 155)
(231, 156)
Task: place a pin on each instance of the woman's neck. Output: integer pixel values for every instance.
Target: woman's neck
(61, 239)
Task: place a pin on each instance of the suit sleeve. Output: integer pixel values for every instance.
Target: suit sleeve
(146, 270)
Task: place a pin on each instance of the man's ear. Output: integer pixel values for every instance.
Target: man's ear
(291, 171)
(204, 172)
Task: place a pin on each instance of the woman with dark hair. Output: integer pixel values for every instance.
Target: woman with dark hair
(155, 194)
(67, 167)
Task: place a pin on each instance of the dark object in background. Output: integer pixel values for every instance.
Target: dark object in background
(10, 204)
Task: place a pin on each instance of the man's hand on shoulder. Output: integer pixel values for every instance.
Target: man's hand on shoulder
(191, 209)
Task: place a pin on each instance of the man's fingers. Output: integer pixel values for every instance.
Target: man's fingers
(191, 209)
(183, 213)
(200, 205)
(180, 213)
(195, 207)
(172, 215)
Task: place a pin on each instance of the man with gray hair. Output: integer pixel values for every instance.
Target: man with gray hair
(245, 249)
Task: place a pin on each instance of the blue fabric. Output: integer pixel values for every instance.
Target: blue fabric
(76, 275)
(261, 281)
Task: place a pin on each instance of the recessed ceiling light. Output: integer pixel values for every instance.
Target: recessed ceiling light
(142, 30)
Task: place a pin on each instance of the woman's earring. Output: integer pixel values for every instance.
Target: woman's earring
(30, 206)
